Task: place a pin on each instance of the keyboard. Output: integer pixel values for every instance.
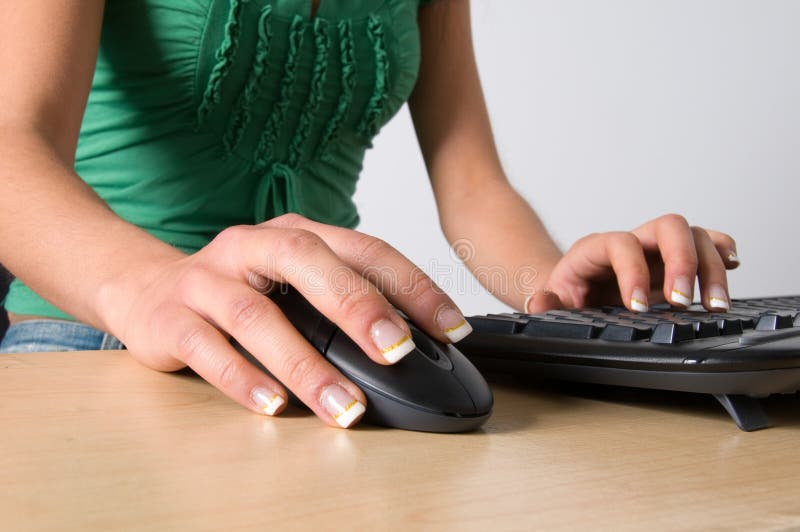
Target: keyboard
(738, 356)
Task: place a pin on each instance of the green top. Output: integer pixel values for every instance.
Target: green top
(205, 114)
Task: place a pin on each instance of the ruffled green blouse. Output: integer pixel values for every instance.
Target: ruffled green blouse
(205, 114)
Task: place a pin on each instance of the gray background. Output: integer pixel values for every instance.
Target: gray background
(609, 113)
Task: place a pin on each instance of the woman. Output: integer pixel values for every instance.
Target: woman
(217, 154)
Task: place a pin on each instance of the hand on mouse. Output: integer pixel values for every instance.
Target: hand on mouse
(656, 262)
(186, 313)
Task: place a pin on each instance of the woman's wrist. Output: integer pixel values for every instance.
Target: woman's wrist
(526, 254)
(145, 258)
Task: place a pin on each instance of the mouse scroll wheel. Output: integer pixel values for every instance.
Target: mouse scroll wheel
(425, 345)
(431, 350)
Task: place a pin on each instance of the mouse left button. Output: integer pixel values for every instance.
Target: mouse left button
(479, 390)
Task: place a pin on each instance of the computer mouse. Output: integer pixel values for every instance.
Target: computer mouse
(432, 389)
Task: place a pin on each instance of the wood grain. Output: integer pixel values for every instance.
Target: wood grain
(95, 441)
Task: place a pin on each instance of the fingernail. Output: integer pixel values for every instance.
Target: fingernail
(453, 323)
(718, 297)
(342, 406)
(267, 401)
(526, 307)
(639, 301)
(733, 257)
(682, 292)
(393, 341)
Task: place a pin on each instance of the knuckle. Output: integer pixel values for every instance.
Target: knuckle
(351, 303)
(370, 250)
(685, 261)
(227, 374)
(230, 237)
(298, 241)
(699, 233)
(419, 286)
(289, 219)
(246, 311)
(625, 238)
(587, 239)
(674, 219)
(727, 240)
(299, 368)
(190, 344)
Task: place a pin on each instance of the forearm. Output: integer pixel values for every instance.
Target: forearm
(502, 240)
(62, 240)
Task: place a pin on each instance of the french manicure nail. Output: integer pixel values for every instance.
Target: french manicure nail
(682, 292)
(267, 401)
(718, 297)
(342, 406)
(733, 257)
(453, 323)
(639, 301)
(393, 342)
(526, 307)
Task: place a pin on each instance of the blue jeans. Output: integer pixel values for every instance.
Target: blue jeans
(39, 335)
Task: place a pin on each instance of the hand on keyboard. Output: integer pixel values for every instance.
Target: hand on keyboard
(658, 261)
(751, 350)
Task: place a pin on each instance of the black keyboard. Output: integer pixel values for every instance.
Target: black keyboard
(738, 356)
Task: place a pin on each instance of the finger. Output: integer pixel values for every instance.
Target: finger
(673, 238)
(726, 247)
(305, 261)
(262, 329)
(622, 252)
(711, 272)
(200, 346)
(400, 280)
(542, 301)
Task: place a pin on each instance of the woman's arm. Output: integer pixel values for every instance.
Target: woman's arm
(477, 205)
(480, 210)
(56, 234)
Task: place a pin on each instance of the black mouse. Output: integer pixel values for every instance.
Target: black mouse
(432, 389)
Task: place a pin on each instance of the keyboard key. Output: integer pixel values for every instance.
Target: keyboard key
(561, 329)
(746, 322)
(772, 322)
(730, 326)
(672, 333)
(517, 315)
(496, 324)
(563, 314)
(616, 332)
(706, 328)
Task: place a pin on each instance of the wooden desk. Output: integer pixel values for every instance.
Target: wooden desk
(95, 441)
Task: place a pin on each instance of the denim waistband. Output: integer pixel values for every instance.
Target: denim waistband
(33, 336)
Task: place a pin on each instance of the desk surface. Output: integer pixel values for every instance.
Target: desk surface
(96, 441)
